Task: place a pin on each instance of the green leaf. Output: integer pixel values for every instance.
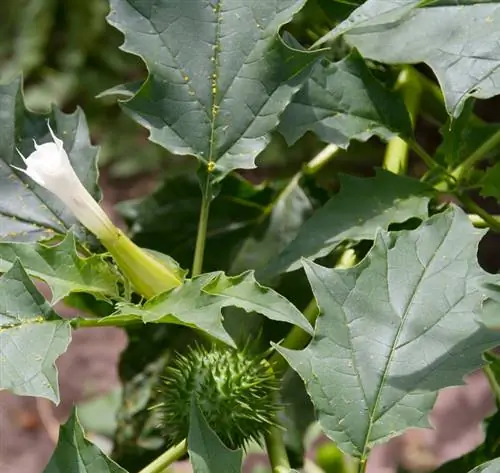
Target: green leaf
(360, 208)
(343, 101)
(289, 211)
(492, 466)
(62, 268)
(219, 74)
(394, 330)
(75, 454)
(491, 182)
(206, 451)
(32, 336)
(199, 303)
(460, 41)
(29, 212)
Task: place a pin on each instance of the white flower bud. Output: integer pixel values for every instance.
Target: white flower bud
(50, 167)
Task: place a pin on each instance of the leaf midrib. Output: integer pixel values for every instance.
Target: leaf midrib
(394, 343)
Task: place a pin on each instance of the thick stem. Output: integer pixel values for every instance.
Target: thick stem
(276, 451)
(296, 338)
(362, 465)
(472, 207)
(396, 154)
(166, 459)
(316, 163)
(479, 222)
(201, 237)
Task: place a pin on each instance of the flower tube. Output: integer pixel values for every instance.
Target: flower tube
(50, 167)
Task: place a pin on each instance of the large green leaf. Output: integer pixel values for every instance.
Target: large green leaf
(459, 40)
(343, 101)
(32, 336)
(199, 303)
(29, 212)
(75, 454)
(62, 268)
(220, 75)
(360, 208)
(394, 329)
(206, 451)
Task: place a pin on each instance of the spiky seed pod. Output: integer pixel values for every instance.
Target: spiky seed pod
(235, 391)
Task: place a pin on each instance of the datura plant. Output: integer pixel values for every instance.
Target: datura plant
(336, 289)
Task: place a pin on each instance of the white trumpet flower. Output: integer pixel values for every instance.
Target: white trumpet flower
(50, 167)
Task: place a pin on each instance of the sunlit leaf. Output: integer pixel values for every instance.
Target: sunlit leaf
(32, 336)
(360, 208)
(394, 330)
(220, 75)
(459, 40)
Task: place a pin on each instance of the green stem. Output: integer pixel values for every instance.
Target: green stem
(296, 338)
(362, 465)
(160, 464)
(316, 163)
(477, 155)
(201, 237)
(423, 155)
(102, 322)
(472, 207)
(396, 154)
(276, 451)
(495, 388)
(313, 166)
(479, 222)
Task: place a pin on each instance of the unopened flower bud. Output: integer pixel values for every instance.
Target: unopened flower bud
(50, 167)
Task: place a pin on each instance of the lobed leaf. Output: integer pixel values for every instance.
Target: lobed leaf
(459, 40)
(394, 330)
(360, 208)
(343, 101)
(199, 303)
(219, 73)
(32, 336)
(62, 268)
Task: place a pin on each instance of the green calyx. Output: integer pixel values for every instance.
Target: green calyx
(235, 391)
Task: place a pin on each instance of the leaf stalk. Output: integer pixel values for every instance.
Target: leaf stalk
(160, 464)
